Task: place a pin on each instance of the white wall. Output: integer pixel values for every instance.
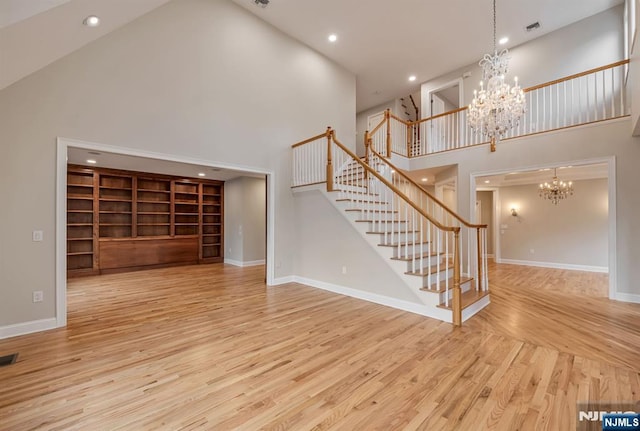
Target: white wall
(244, 220)
(590, 43)
(202, 79)
(573, 232)
(328, 243)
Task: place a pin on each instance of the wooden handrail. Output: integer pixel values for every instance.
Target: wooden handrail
(315, 138)
(446, 208)
(529, 89)
(375, 129)
(392, 187)
(395, 117)
(577, 75)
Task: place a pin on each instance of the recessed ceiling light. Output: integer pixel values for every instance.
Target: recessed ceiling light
(412, 78)
(91, 21)
(487, 181)
(332, 38)
(202, 174)
(424, 180)
(91, 161)
(503, 40)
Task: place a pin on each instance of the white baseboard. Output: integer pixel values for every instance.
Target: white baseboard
(27, 327)
(568, 266)
(628, 297)
(283, 280)
(423, 310)
(244, 264)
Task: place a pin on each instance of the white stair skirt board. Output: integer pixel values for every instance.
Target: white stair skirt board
(412, 307)
(430, 299)
(569, 266)
(27, 328)
(244, 264)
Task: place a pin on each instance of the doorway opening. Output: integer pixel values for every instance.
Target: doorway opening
(576, 233)
(250, 241)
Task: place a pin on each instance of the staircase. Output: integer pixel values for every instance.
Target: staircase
(416, 260)
(412, 232)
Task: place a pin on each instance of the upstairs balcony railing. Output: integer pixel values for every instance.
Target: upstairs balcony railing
(588, 97)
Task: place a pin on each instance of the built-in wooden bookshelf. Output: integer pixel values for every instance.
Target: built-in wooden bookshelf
(119, 220)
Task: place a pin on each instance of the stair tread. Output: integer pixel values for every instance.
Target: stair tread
(442, 286)
(354, 193)
(395, 244)
(361, 200)
(380, 221)
(372, 211)
(374, 232)
(468, 298)
(410, 257)
(433, 269)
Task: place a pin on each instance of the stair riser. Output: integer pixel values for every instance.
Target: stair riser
(465, 287)
(394, 238)
(348, 187)
(365, 206)
(426, 281)
(425, 263)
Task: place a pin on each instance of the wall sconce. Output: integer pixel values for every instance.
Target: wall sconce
(514, 212)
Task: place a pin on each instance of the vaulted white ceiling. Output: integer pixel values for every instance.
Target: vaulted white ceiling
(385, 41)
(381, 41)
(35, 33)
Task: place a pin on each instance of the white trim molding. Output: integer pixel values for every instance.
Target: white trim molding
(283, 280)
(244, 264)
(569, 266)
(27, 328)
(423, 310)
(628, 297)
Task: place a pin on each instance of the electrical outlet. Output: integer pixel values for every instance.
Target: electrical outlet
(37, 235)
(344, 269)
(38, 296)
(532, 251)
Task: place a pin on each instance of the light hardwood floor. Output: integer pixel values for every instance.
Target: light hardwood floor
(210, 347)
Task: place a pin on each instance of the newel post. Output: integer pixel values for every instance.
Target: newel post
(387, 117)
(457, 294)
(409, 138)
(329, 161)
(480, 258)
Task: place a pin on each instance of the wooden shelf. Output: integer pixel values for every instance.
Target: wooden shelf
(107, 206)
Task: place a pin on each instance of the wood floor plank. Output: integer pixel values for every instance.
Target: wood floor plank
(210, 347)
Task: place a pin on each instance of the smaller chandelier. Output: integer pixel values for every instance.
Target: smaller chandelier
(498, 108)
(556, 190)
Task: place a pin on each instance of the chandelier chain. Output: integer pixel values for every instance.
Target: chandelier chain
(495, 48)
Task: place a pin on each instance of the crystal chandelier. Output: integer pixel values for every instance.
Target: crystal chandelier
(556, 190)
(498, 108)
